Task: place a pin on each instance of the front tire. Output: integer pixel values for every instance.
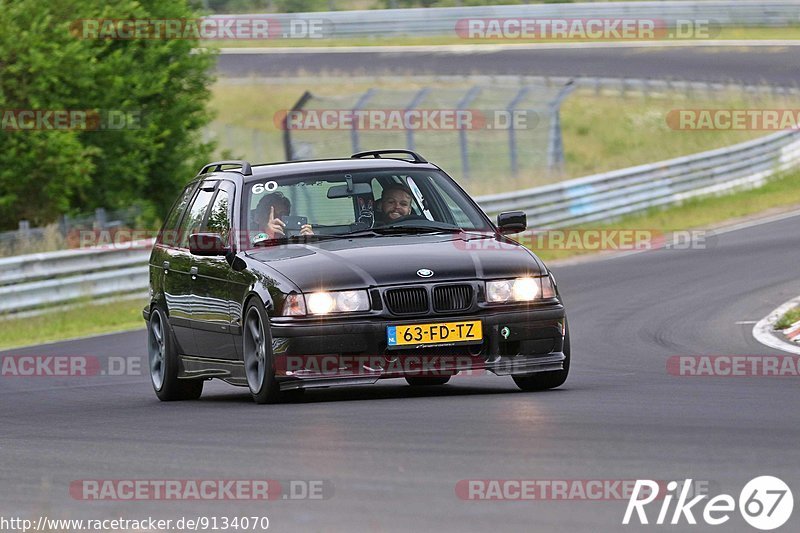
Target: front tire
(547, 380)
(163, 362)
(259, 363)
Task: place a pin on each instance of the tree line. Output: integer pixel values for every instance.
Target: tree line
(87, 122)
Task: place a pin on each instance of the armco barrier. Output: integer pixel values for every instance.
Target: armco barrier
(41, 280)
(46, 279)
(442, 21)
(620, 192)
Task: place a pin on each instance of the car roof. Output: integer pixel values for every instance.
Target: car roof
(333, 165)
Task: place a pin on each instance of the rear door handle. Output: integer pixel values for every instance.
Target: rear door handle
(193, 272)
(165, 264)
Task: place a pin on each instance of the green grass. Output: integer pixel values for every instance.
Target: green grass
(788, 319)
(734, 33)
(700, 213)
(608, 132)
(80, 321)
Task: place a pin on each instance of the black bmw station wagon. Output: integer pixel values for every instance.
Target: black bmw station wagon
(282, 277)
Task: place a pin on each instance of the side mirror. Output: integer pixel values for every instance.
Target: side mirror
(207, 244)
(512, 222)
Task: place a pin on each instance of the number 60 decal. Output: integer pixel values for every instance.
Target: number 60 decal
(269, 186)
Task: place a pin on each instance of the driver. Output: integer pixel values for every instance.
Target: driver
(395, 202)
(269, 211)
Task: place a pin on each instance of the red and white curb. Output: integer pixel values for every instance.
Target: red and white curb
(793, 332)
(763, 329)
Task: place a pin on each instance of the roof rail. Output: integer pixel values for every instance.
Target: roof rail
(246, 168)
(378, 154)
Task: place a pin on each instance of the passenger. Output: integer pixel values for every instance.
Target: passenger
(395, 203)
(269, 212)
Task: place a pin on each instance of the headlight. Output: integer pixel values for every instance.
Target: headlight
(520, 290)
(324, 303)
(294, 305)
(349, 301)
(320, 303)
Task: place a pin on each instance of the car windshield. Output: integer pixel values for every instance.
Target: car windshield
(357, 203)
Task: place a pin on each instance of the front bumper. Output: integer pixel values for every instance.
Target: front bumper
(327, 353)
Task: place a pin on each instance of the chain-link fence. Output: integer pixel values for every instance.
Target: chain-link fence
(480, 130)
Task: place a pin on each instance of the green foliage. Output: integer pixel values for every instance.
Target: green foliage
(788, 319)
(157, 84)
(299, 6)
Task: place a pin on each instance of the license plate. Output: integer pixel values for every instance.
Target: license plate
(437, 333)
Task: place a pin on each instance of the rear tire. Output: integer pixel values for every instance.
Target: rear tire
(425, 382)
(163, 362)
(259, 363)
(547, 380)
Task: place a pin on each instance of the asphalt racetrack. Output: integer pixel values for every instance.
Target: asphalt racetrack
(776, 66)
(391, 456)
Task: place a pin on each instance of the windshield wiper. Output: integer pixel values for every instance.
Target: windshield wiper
(294, 239)
(388, 230)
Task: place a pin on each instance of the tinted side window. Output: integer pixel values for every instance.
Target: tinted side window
(193, 220)
(219, 219)
(168, 234)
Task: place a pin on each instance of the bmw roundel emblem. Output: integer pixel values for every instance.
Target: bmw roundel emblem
(424, 272)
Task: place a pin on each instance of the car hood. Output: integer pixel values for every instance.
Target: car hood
(391, 260)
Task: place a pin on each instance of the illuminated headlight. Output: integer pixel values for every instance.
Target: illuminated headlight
(323, 303)
(520, 290)
(320, 303)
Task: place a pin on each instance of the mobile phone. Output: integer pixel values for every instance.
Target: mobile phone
(294, 224)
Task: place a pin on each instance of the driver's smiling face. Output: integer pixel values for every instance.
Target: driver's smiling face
(396, 204)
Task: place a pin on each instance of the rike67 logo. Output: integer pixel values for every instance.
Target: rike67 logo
(765, 503)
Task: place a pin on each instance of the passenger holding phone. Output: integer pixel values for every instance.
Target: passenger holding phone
(271, 209)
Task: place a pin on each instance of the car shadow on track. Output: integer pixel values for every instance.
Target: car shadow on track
(380, 392)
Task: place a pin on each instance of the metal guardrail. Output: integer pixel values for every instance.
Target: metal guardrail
(612, 194)
(40, 280)
(442, 21)
(52, 278)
